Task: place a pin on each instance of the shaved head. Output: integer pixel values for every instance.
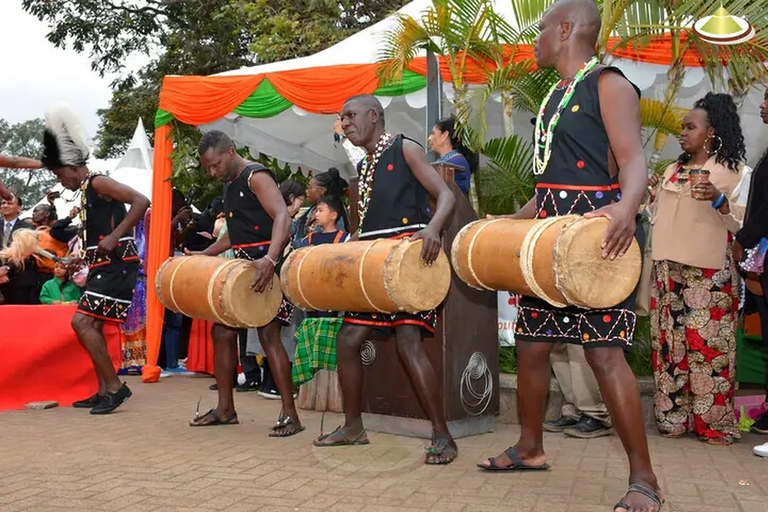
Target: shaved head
(568, 34)
(583, 16)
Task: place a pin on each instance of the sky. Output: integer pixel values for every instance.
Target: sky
(34, 74)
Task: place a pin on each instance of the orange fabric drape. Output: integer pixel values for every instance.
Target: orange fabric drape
(323, 90)
(157, 248)
(197, 100)
(474, 72)
(658, 51)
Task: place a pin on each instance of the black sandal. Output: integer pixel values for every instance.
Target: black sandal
(517, 463)
(640, 489)
(282, 422)
(442, 452)
(214, 420)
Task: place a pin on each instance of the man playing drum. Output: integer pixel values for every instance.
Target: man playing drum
(258, 226)
(589, 160)
(106, 234)
(396, 182)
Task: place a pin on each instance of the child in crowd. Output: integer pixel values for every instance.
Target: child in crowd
(316, 336)
(61, 289)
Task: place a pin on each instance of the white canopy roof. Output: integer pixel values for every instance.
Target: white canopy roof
(300, 138)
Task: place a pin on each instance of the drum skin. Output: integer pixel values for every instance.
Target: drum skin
(377, 276)
(556, 259)
(217, 290)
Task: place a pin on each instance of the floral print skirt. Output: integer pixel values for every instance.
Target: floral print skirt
(693, 330)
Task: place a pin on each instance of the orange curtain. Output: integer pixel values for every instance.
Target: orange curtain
(323, 90)
(157, 249)
(198, 100)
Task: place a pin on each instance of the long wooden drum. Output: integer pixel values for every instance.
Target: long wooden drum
(216, 289)
(556, 259)
(379, 276)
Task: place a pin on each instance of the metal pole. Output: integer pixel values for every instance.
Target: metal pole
(434, 96)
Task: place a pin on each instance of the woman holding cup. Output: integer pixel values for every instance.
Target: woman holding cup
(695, 294)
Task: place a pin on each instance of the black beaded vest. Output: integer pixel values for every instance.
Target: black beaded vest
(248, 224)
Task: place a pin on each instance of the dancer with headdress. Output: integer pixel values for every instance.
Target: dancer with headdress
(110, 250)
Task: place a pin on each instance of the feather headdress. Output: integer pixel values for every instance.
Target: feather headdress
(65, 141)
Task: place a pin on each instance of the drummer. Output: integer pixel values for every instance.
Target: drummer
(396, 182)
(258, 225)
(589, 160)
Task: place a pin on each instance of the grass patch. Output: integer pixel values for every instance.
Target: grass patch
(639, 358)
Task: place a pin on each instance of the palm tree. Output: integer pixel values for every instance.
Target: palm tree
(469, 33)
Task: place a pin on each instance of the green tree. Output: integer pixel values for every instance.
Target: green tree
(192, 37)
(25, 139)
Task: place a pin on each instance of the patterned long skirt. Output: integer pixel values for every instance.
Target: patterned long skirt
(693, 329)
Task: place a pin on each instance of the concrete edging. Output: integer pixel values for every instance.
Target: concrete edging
(508, 406)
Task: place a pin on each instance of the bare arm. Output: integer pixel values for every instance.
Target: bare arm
(430, 180)
(219, 246)
(272, 201)
(620, 111)
(107, 187)
(19, 162)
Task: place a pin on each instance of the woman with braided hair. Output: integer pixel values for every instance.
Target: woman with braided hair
(695, 296)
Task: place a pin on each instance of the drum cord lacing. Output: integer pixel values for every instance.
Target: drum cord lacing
(298, 276)
(477, 369)
(362, 282)
(469, 253)
(527, 248)
(170, 288)
(211, 284)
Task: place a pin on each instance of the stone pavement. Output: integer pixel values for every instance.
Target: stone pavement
(145, 458)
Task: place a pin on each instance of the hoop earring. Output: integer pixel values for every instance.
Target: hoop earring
(719, 146)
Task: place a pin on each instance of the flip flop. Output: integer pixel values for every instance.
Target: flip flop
(441, 448)
(640, 489)
(283, 422)
(359, 439)
(215, 421)
(517, 463)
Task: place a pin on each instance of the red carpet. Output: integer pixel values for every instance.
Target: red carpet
(41, 358)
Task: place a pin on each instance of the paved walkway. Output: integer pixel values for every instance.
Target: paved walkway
(145, 458)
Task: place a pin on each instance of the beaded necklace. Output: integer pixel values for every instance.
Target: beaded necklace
(544, 137)
(366, 175)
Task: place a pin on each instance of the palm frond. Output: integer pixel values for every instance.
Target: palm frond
(661, 116)
(401, 44)
(506, 182)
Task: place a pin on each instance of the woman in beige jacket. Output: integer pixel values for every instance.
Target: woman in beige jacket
(695, 296)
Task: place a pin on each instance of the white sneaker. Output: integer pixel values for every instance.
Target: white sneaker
(761, 450)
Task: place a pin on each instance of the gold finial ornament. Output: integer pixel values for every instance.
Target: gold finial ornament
(724, 29)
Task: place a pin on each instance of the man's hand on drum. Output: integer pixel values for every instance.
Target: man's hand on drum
(621, 230)
(264, 272)
(431, 247)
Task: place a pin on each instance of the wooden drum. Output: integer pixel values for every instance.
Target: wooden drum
(556, 259)
(379, 276)
(216, 289)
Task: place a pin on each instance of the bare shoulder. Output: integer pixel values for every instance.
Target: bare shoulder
(614, 87)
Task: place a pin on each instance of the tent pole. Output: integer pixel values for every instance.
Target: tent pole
(434, 97)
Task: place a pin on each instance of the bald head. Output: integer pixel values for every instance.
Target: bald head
(569, 30)
(362, 120)
(583, 16)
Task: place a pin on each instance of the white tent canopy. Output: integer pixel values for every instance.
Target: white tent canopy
(133, 169)
(300, 138)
